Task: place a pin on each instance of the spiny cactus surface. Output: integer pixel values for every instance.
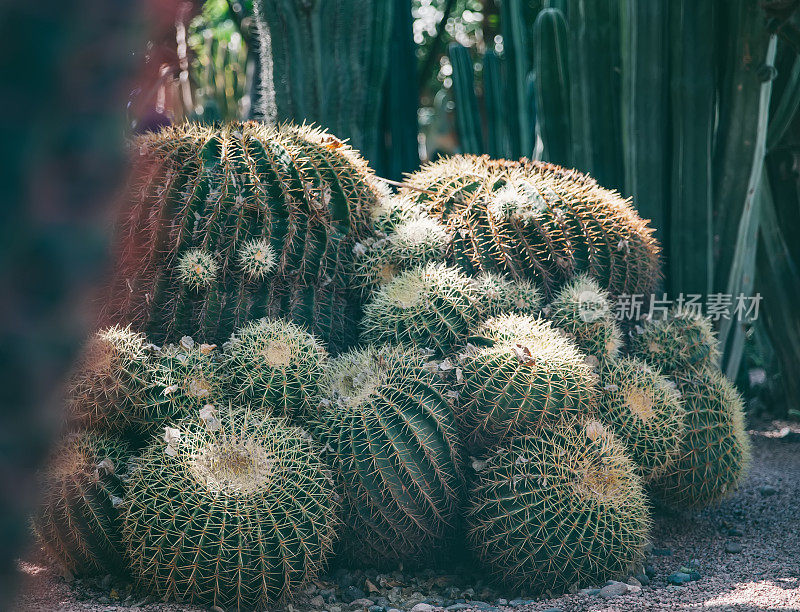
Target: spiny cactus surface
(583, 310)
(397, 451)
(230, 223)
(523, 384)
(499, 295)
(430, 306)
(184, 378)
(645, 412)
(676, 343)
(714, 451)
(539, 221)
(79, 521)
(108, 385)
(559, 507)
(232, 508)
(276, 366)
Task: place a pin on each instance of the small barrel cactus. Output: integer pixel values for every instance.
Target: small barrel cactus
(233, 509)
(108, 385)
(498, 295)
(645, 412)
(397, 451)
(539, 221)
(676, 343)
(184, 377)
(430, 307)
(275, 365)
(229, 223)
(583, 310)
(559, 507)
(519, 385)
(79, 522)
(715, 449)
(414, 242)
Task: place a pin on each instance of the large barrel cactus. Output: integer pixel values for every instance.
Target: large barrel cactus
(232, 223)
(397, 450)
(537, 220)
(522, 384)
(714, 451)
(644, 410)
(559, 507)
(79, 521)
(232, 509)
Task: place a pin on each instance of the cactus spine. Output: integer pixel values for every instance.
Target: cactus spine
(559, 507)
(232, 223)
(498, 295)
(398, 454)
(78, 522)
(232, 509)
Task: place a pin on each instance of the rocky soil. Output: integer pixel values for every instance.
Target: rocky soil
(741, 555)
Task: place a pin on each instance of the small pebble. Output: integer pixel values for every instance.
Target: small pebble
(733, 547)
(650, 570)
(361, 603)
(679, 578)
(613, 590)
(643, 579)
(422, 607)
(767, 490)
(317, 602)
(632, 581)
(377, 609)
(455, 607)
(590, 592)
(552, 610)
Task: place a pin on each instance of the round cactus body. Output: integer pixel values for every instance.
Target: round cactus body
(276, 365)
(79, 522)
(499, 295)
(184, 377)
(583, 310)
(428, 307)
(520, 385)
(234, 222)
(233, 509)
(676, 343)
(397, 451)
(559, 507)
(645, 412)
(107, 388)
(715, 449)
(539, 221)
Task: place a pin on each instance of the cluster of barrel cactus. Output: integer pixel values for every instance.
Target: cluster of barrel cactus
(228, 469)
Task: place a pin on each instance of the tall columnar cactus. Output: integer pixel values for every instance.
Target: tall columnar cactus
(536, 220)
(645, 412)
(275, 365)
(430, 306)
(108, 385)
(499, 295)
(232, 223)
(714, 451)
(559, 507)
(232, 509)
(676, 342)
(522, 384)
(551, 68)
(470, 126)
(183, 377)
(397, 451)
(78, 522)
(583, 310)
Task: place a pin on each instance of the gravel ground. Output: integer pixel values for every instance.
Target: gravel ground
(741, 555)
